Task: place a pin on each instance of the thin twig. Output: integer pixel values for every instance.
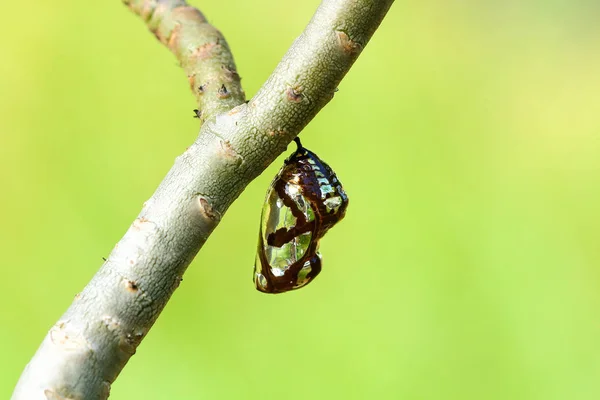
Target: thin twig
(200, 48)
(85, 351)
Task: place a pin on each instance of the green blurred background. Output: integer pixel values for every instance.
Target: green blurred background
(467, 136)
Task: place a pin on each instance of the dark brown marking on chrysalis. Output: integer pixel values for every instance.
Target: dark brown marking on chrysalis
(318, 184)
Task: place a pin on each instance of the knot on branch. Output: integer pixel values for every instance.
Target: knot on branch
(228, 153)
(62, 336)
(347, 45)
(205, 51)
(294, 94)
(207, 210)
(131, 286)
(128, 341)
(141, 224)
(223, 93)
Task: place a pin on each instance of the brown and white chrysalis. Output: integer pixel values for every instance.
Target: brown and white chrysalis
(303, 202)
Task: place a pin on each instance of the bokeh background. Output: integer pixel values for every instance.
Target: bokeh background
(467, 136)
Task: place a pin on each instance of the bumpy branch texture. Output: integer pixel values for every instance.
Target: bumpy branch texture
(87, 348)
(200, 48)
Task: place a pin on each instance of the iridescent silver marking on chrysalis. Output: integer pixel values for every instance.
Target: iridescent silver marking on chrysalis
(303, 202)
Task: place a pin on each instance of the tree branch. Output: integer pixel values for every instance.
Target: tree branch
(87, 348)
(200, 48)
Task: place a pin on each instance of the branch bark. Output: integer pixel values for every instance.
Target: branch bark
(84, 352)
